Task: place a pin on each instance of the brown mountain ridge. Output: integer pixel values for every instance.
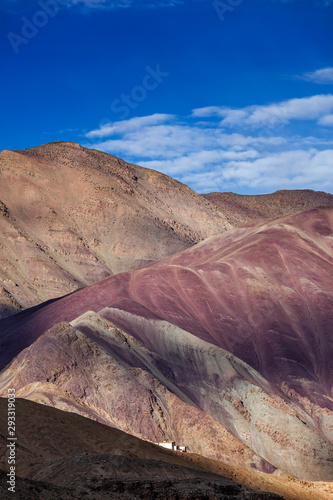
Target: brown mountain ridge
(246, 209)
(70, 216)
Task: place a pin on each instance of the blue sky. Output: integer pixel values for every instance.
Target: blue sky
(233, 95)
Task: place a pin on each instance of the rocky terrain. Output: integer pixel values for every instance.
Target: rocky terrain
(109, 376)
(70, 216)
(246, 209)
(231, 336)
(162, 315)
(63, 455)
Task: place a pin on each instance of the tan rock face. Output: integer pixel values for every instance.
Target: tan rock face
(70, 216)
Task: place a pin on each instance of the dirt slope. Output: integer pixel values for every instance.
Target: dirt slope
(71, 216)
(246, 209)
(79, 458)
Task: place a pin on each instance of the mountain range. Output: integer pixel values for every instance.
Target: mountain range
(71, 216)
(151, 310)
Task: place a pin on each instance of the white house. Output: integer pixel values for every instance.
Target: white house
(171, 445)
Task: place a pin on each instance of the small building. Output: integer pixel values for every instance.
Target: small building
(171, 445)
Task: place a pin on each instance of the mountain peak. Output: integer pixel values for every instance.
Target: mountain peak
(79, 215)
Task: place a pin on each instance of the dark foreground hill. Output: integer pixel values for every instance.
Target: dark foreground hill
(62, 455)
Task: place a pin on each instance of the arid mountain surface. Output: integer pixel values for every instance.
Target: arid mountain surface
(71, 216)
(63, 455)
(225, 347)
(245, 209)
(200, 319)
(101, 372)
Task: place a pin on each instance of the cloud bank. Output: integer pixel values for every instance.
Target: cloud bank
(308, 108)
(238, 153)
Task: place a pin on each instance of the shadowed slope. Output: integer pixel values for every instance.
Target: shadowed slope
(93, 461)
(97, 462)
(181, 389)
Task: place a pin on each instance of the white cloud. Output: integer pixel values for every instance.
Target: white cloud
(202, 154)
(286, 170)
(326, 120)
(125, 126)
(197, 161)
(323, 76)
(162, 136)
(293, 169)
(306, 108)
(300, 169)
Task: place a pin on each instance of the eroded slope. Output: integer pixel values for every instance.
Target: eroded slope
(260, 295)
(71, 216)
